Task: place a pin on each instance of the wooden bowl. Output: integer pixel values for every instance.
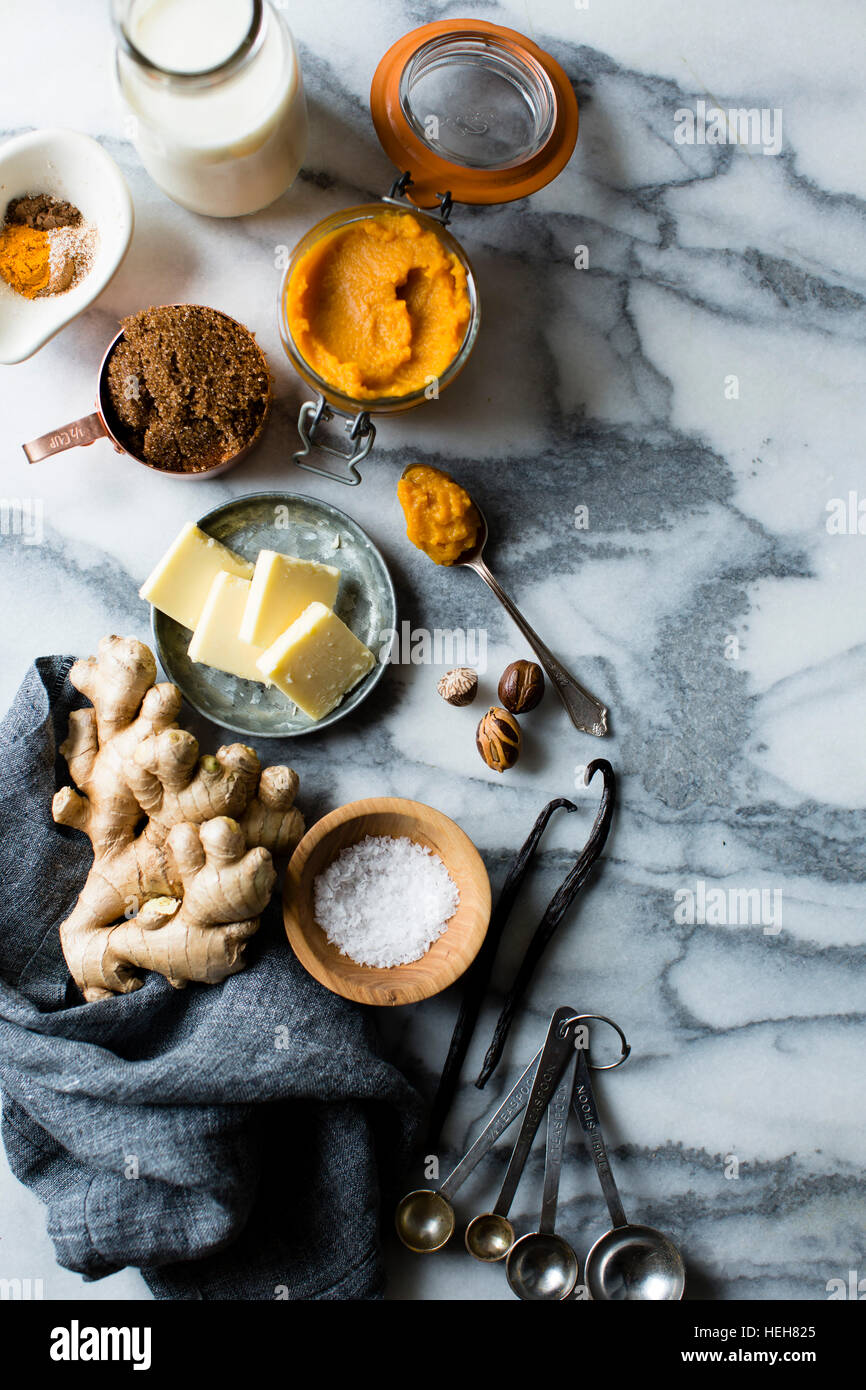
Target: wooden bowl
(447, 958)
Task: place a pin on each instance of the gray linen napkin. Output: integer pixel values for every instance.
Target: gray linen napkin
(224, 1139)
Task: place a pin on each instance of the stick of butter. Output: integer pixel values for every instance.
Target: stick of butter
(181, 581)
(283, 586)
(215, 641)
(316, 661)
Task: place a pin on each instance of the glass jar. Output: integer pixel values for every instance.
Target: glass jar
(331, 400)
(468, 112)
(215, 98)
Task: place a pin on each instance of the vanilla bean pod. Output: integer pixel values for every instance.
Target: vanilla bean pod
(477, 978)
(555, 911)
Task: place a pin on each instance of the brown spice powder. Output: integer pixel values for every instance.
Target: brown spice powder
(42, 211)
(188, 385)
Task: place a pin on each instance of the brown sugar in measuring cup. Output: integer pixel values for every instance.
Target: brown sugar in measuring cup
(147, 407)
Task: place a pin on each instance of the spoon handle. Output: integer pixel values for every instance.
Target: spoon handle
(585, 712)
(587, 1112)
(508, 1111)
(555, 1053)
(557, 1128)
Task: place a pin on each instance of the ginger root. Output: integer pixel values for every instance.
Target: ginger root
(182, 845)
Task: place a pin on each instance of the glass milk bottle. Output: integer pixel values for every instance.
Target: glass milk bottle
(214, 92)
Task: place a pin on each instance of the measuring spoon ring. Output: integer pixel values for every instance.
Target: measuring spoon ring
(490, 1236)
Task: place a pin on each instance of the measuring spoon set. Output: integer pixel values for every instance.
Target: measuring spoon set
(629, 1262)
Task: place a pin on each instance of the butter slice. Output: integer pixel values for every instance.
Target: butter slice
(283, 586)
(181, 581)
(317, 661)
(215, 641)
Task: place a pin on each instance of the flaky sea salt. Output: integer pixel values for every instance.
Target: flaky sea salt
(385, 900)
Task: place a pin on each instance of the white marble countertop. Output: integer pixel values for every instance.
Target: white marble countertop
(699, 388)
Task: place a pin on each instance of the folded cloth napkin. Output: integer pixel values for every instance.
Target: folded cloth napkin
(225, 1139)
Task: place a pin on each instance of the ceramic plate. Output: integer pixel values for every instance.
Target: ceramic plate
(308, 528)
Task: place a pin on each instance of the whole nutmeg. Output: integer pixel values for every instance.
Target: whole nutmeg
(498, 739)
(521, 686)
(459, 687)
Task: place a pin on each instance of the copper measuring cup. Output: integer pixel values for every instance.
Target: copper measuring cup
(89, 428)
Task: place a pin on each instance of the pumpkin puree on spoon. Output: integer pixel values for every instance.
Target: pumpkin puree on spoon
(441, 518)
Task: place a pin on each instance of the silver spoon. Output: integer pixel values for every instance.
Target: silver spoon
(542, 1267)
(425, 1218)
(629, 1262)
(585, 712)
(490, 1236)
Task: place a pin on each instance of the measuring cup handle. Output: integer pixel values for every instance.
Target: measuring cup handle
(79, 433)
(587, 1112)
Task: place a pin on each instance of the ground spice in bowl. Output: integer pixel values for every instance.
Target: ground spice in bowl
(188, 387)
(46, 247)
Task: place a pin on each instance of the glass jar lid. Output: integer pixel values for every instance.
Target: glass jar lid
(474, 109)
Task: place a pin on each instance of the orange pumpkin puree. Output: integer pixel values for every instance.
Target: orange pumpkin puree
(378, 307)
(441, 518)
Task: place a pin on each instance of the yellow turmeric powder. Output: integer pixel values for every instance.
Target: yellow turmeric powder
(25, 259)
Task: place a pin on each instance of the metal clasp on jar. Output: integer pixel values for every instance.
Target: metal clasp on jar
(359, 429)
(397, 196)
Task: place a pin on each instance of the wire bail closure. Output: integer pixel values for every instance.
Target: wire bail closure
(397, 194)
(359, 429)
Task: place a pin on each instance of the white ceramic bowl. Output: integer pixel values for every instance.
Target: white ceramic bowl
(75, 168)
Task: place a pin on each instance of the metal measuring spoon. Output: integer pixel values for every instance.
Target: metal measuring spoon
(628, 1262)
(490, 1236)
(585, 712)
(425, 1217)
(542, 1267)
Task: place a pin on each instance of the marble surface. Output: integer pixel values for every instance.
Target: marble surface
(699, 388)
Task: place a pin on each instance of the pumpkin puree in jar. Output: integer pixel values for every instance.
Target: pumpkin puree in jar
(441, 518)
(378, 307)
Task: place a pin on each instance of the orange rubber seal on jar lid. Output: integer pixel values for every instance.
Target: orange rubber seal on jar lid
(473, 109)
